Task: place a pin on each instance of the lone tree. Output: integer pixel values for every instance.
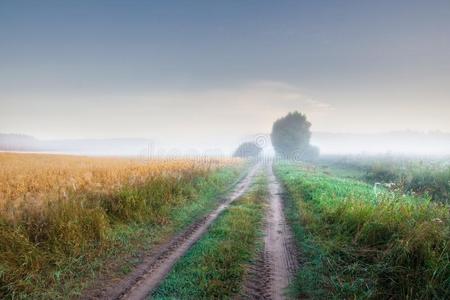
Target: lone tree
(290, 137)
(246, 150)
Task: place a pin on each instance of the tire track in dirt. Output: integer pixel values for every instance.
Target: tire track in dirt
(276, 264)
(257, 280)
(147, 276)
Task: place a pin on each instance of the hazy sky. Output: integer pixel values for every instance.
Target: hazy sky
(196, 69)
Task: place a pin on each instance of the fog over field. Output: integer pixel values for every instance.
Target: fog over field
(208, 75)
(257, 149)
(402, 142)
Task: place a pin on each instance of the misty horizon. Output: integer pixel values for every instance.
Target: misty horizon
(253, 149)
(210, 75)
(212, 71)
(400, 142)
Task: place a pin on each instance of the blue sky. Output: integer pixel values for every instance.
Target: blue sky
(229, 68)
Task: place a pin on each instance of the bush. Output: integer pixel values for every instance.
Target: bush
(246, 150)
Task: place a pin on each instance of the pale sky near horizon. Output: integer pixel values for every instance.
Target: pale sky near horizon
(197, 69)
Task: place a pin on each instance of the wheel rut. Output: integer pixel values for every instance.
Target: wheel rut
(147, 276)
(276, 263)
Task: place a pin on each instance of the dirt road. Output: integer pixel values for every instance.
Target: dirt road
(267, 278)
(276, 265)
(146, 277)
(279, 247)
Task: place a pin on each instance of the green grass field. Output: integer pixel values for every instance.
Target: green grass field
(359, 245)
(427, 176)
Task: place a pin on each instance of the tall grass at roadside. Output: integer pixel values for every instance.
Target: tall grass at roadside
(214, 267)
(54, 222)
(359, 245)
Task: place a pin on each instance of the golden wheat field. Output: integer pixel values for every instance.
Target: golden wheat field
(43, 177)
(57, 209)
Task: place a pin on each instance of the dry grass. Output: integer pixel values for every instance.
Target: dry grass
(59, 213)
(38, 178)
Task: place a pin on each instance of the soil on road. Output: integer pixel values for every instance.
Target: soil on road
(267, 278)
(147, 276)
(276, 264)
